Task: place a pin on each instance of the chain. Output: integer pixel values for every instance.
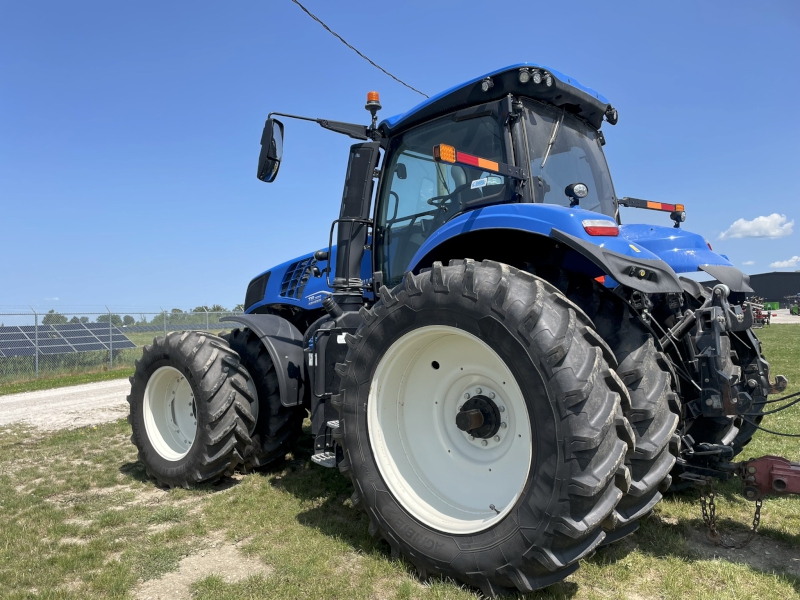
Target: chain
(709, 508)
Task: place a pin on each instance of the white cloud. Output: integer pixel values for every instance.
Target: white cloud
(774, 226)
(749, 262)
(51, 299)
(786, 264)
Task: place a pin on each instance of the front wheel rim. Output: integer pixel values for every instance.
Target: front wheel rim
(443, 476)
(170, 413)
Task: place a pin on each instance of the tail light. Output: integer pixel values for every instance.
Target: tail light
(600, 227)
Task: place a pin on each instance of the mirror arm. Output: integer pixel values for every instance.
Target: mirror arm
(358, 132)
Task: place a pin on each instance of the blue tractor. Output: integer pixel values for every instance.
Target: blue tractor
(510, 376)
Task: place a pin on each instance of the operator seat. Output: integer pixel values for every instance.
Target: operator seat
(460, 178)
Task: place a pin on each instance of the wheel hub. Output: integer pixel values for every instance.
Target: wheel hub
(479, 417)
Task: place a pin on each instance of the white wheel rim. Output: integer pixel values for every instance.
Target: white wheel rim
(170, 416)
(438, 474)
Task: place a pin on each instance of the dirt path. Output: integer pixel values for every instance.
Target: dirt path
(67, 407)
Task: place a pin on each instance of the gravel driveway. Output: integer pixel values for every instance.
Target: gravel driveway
(67, 407)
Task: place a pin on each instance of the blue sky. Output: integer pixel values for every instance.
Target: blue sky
(129, 132)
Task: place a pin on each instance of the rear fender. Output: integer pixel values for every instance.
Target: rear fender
(517, 234)
(284, 343)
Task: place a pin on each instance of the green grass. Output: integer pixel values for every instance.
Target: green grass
(78, 519)
(49, 382)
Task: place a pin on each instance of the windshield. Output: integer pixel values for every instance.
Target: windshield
(564, 150)
(418, 195)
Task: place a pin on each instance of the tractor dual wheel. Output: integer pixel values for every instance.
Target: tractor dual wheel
(189, 409)
(654, 411)
(276, 427)
(482, 426)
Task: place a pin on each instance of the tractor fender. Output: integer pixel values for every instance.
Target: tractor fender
(730, 276)
(648, 275)
(622, 260)
(284, 343)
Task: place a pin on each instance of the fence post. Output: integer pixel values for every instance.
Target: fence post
(110, 341)
(205, 309)
(165, 324)
(36, 341)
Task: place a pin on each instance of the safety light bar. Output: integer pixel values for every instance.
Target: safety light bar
(649, 204)
(445, 153)
(600, 227)
(677, 211)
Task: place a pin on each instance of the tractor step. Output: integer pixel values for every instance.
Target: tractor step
(325, 459)
(333, 424)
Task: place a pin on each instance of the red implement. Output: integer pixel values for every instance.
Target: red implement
(770, 476)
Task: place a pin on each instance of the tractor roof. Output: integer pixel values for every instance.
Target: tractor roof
(565, 92)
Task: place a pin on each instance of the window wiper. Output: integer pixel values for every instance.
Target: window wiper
(552, 139)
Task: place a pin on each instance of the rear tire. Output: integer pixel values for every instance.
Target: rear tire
(654, 411)
(187, 411)
(276, 427)
(568, 407)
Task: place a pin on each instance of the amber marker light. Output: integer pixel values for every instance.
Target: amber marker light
(444, 153)
(373, 97)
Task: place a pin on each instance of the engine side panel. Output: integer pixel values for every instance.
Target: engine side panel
(293, 283)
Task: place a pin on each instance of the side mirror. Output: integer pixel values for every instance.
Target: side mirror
(401, 171)
(269, 160)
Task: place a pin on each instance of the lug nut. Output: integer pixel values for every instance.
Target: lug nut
(503, 425)
(501, 408)
(478, 390)
(484, 443)
(472, 438)
(491, 395)
(466, 396)
(497, 438)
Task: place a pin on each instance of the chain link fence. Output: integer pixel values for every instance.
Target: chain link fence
(47, 344)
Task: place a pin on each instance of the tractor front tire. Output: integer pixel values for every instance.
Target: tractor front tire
(189, 410)
(510, 506)
(276, 427)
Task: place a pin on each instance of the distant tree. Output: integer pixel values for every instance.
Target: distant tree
(128, 320)
(177, 311)
(238, 308)
(217, 308)
(54, 318)
(84, 319)
(74, 320)
(116, 320)
(201, 309)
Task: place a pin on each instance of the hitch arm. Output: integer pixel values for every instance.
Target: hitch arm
(769, 476)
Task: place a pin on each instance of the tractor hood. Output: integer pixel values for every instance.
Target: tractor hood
(686, 252)
(682, 250)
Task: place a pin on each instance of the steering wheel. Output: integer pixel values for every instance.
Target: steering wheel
(440, 201)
